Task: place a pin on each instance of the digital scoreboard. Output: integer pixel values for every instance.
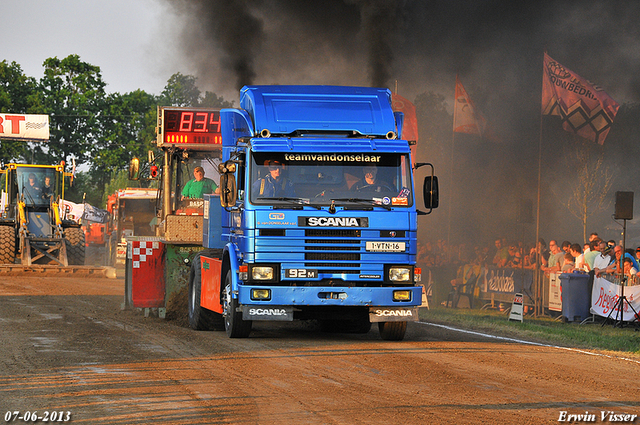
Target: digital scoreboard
(194, 128)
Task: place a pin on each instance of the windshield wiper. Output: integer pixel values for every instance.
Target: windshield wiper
(297, 201)
(362, 201)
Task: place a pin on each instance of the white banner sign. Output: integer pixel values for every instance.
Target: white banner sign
(605, 296)
(72, 211)
(555, 292)
(24, 126)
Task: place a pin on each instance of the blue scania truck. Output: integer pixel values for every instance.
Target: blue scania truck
(316, 218)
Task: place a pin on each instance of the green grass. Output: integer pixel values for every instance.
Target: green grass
(540, 329)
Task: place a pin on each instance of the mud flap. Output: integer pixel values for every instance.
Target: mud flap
(271, 313)
(393, 314)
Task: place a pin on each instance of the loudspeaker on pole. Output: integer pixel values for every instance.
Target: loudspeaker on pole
(624, 206)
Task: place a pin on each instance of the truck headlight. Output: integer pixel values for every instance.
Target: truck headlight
(262, 273)
(400, 274)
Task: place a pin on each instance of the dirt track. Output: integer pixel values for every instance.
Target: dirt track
(67, 346)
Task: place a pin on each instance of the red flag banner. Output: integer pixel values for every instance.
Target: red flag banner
(466, 118)
(410, 127)
(585, 108)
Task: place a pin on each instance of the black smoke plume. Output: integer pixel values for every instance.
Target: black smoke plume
(229, 36)
(496, 46)
(229, 25)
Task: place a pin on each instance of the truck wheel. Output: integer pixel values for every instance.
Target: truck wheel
(200, 318)
(392, 331)
(74, 238)
(235, 326)
(7, 245)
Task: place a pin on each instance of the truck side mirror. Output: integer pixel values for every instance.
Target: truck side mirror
(228, 189)
(430, 192)
(134, 169)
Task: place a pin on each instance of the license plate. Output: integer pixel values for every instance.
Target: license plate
(386, 246)
(301, 273)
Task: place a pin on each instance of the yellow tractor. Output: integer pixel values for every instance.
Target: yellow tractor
(33, 229)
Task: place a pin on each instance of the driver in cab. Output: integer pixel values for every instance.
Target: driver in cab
(370, 181)
(32, 190)
(273, 184)
(199, 185)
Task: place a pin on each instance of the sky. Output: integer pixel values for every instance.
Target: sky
(121, 37)
(414, 46)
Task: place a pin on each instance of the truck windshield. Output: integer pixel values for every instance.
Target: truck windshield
(319, 179)
(37, 185)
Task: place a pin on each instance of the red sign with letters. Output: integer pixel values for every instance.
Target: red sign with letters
(24, 127)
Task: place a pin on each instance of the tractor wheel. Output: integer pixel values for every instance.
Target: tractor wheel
(200, 318)
(7, 245)
(74, 238)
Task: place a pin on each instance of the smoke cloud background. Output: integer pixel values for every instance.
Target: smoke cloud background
(495, 46)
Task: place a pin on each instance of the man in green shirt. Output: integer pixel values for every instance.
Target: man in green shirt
(200, 185)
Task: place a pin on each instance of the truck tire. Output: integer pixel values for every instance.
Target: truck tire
(200, 318)
(235, 326)
(392, 331)
(74, 238)
(7, 245)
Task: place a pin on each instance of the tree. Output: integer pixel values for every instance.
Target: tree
(15, 88)
(591, 185)
(16, 92)
(181, 90)
(72, 93)
(84, 187)
(211, 100)
(127, 129)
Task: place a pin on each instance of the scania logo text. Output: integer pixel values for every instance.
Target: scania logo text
(267, 312)
(334, 221)
(402, 313)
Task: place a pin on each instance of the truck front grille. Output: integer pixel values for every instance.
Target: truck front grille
(331, 256)
(332, 248)
(328, 250)
(332, 233)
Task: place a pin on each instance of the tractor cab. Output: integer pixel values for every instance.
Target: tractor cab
(37, 186)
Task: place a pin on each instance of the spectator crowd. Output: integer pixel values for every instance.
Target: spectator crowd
(597, 256)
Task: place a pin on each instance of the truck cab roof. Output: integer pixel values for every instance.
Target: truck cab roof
(288, 109)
